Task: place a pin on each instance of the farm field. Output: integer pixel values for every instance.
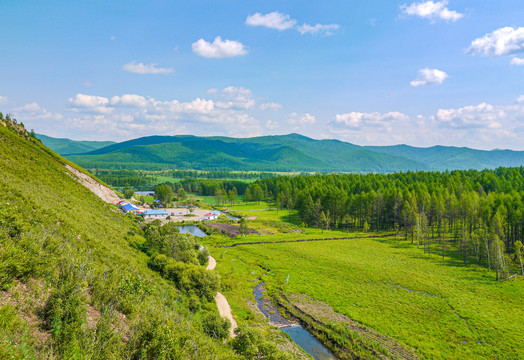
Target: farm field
(430, 303)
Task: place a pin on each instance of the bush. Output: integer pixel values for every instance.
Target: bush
(250, 343)
(215, 326)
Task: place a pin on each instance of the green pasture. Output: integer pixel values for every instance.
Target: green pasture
(438, 306)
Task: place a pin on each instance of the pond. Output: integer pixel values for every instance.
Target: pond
(299, 335)
(192, 229)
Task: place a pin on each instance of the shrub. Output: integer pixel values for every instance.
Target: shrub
(215, 326)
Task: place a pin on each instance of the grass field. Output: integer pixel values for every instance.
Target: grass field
(436, 305)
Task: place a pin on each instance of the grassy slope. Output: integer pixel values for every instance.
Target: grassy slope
(437, 305)
(66, 146)
(65, 223)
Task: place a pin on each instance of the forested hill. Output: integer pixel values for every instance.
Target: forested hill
(286, 153)
(68, 147)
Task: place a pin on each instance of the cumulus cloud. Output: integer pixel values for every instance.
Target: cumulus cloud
(273, 20)
(225, 112)
(3, 100)
(303, 120)
(131, 100)
(219, 48)
(503, 41)
(33, 111)
(473, 116)
(318, 29)
(235, 97)
(517, 61)
(140, 68)
(279, 21)
(429, 77)
(431, 10)
(90, 104)
(270, 106)
(520, 99)
(271, 125)
(359, 120)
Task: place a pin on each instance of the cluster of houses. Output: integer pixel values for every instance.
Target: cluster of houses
(127, 207)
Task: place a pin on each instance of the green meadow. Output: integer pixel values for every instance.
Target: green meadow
(436, 305)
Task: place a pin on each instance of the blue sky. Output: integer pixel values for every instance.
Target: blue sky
(367, 72)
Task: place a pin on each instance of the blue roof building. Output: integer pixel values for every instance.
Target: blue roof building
(154, 214)
(130, 208)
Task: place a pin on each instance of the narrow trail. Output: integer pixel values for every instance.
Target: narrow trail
(223, 306)
(306, 240)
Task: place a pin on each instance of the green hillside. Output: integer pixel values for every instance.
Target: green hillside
(268, 153)
(77, 277)
(67, 147)
(287, 153)
(448, 157)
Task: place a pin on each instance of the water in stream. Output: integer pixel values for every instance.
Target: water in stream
(231, 217)
(299, 335)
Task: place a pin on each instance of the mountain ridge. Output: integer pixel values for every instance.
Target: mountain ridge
(292, 152)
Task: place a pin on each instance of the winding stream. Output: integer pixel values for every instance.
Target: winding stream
(299, 335)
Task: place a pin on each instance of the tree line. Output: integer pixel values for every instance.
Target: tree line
(480, 213)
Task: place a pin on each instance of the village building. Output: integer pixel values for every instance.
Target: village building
(145, 193)
(130, 208)
(154, 214)
(210, 216)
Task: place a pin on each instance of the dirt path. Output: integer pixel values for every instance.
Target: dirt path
(223, 306)
(225, 311)
(306, 240)
(211, 265)
(103, 192)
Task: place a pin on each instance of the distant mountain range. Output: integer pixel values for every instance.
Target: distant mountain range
(292, 152)
(69, 147)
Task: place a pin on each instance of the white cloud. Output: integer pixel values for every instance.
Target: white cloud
(271, 125)
(33, 111)
(359, 120)
(517, 61)
(429, 77)
(129, 100)
(318, 28)
(503, 41)
(235, 97)
(3, 100)
(520, 99)
(274, 20)
(279, 21)
(306, 119)
(270, 106)
(90, 104)
(431, 10)
(142, 69)
(219, 48)
(472, 116)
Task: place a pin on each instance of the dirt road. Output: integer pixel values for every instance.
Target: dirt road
(211, 265)
(225, 311)
(223, 306)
